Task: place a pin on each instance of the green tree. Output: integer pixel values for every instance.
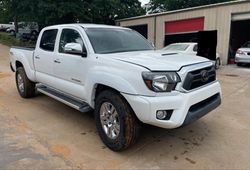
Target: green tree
(107, 11)
(168, 5)
(50, 12)
(10, 10)
(4, 13)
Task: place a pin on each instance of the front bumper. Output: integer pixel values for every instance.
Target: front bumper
(185, 107)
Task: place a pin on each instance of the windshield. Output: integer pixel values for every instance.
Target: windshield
(108, 40)
(176, 47)
(246, 45)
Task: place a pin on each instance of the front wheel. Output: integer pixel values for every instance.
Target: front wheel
(239, 64)
(217, 63)
(25, 87)
(115, 121)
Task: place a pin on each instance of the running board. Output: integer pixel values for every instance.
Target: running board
(74, 103)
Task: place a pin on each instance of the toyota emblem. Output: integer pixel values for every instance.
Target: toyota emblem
(204, 76)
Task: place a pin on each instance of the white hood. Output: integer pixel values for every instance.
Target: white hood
(157, 60)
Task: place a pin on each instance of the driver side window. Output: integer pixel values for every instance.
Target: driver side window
(69, 36)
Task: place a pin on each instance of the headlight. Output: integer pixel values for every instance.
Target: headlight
(161, 81)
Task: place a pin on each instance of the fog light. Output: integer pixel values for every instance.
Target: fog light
(161, 114)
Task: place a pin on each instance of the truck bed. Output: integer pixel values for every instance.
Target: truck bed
(23, 55)
(24, 48)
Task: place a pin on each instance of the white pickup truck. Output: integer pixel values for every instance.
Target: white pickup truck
(118, 74)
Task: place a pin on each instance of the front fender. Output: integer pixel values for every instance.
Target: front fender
(114, 81)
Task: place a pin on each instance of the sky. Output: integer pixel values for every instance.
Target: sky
(144, 1)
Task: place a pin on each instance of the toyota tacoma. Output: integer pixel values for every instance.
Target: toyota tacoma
(118, 74)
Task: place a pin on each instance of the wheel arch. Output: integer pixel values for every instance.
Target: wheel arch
(18, 64)
(98, 88)
(25, 64)
(101, 80)
(101, 87)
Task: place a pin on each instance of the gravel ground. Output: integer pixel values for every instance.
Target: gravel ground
(41, 133)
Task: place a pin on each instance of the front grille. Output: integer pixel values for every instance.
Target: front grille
(199, 78)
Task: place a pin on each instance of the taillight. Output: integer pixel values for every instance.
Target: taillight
(240, 52)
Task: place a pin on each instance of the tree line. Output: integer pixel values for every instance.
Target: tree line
(50, 12)
(156, 6)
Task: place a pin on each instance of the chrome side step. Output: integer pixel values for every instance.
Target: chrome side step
(74, 103)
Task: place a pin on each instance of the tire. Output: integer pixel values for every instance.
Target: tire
(33, 37)
(12, 33)
(35, 33)
(217, 63)
(129, 126)
(239, 64)
(27, 89)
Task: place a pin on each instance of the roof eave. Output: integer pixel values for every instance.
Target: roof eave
(184, 10)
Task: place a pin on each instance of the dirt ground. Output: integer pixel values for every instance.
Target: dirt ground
(42, 133)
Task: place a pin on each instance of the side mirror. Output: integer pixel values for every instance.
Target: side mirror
(75, 48)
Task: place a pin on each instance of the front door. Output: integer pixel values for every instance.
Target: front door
(70, 69)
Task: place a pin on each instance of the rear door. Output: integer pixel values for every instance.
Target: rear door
(44, 57)
(207, 44)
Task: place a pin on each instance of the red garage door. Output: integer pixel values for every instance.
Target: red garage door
(184, 26)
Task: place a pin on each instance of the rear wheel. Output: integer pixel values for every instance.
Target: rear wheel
(25, 87)
(115, 121)
(34, 33)
(12, 32)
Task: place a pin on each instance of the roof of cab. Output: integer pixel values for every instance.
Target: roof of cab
(86, 26)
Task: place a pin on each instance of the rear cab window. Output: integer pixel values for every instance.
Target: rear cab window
(48, 40)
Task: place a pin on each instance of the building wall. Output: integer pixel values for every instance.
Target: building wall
(216, 18)
(148, 21)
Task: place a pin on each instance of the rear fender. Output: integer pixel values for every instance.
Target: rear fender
(26, 64)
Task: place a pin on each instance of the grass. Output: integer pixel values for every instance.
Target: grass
(8, 40)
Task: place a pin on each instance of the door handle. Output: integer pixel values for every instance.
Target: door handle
(57, 61)
(37, 57)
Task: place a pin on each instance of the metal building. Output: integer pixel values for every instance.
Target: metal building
(230, 19)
